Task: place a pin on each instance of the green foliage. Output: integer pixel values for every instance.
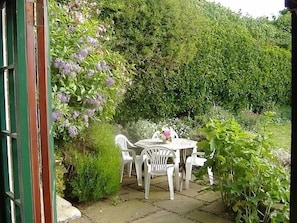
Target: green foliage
(214, 112)
(236, 69)
(190, 55)
(248, 119)
(143, 129)
(88, 78)
(60, 171)
(93, 165)
(158, 37)
(251, 182)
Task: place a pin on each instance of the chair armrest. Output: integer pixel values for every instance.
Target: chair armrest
(199, 154)
(130, 144)
(129, 151)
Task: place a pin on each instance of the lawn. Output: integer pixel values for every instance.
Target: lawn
(280, 135)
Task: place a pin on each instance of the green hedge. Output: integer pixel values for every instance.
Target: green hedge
(191, 55)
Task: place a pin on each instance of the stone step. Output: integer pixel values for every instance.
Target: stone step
(65, 211)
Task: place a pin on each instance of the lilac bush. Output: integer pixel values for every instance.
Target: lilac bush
(88, 79)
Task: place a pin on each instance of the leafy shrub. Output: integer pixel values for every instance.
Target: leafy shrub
(214, 112)
(251, 182)
(60, 170)
(141, 129)
(248, 119)
(182, 126)
(283, 114)
(93, 165)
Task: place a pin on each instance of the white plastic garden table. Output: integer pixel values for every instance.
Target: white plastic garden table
(177, 144)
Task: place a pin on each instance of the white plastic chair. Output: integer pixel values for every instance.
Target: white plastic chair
(196, 160)
(173, 133)
(156, 135)
(128, 157)
(156, 163)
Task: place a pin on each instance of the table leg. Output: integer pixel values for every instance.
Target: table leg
(138, 167)
(177, 175)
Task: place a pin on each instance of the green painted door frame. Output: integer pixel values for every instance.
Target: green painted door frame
(17, 193)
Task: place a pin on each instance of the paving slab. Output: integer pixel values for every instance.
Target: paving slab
(122, 212)
(180, 204)
(208, 196)
(198, 204)
(205, 217)
(163, 217)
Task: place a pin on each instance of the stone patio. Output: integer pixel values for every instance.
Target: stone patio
(198, 204)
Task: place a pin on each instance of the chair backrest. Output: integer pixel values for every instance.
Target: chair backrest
(123, 142)
(173, 133)
(157, 158)
(156, 135)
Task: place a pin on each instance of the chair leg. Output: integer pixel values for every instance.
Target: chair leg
(138, 167)
(181, 180)
(210, 175)
(122, 172)
(147, 185)
(130, 169)
(170, 182)
(188, 174)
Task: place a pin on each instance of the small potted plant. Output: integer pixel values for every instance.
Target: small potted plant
(166, 135)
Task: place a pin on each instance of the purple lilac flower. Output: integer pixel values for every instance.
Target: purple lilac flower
(78, 57)
(102, 28)
(57, 62)
(98, 67)
(96, 101)
(71, 29)
(75, 114)
(86, 120)
(102, 66)
(72, 74)
(63, 97)
(81, 40)
(72, 130)
(56, 115)
(66, 123)
(92, 40)
(79, 16)
(90, 112)
(84, 52)
(64, 67)
(90, 73)
(109, 81)
(76, 67)
(67, 68)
